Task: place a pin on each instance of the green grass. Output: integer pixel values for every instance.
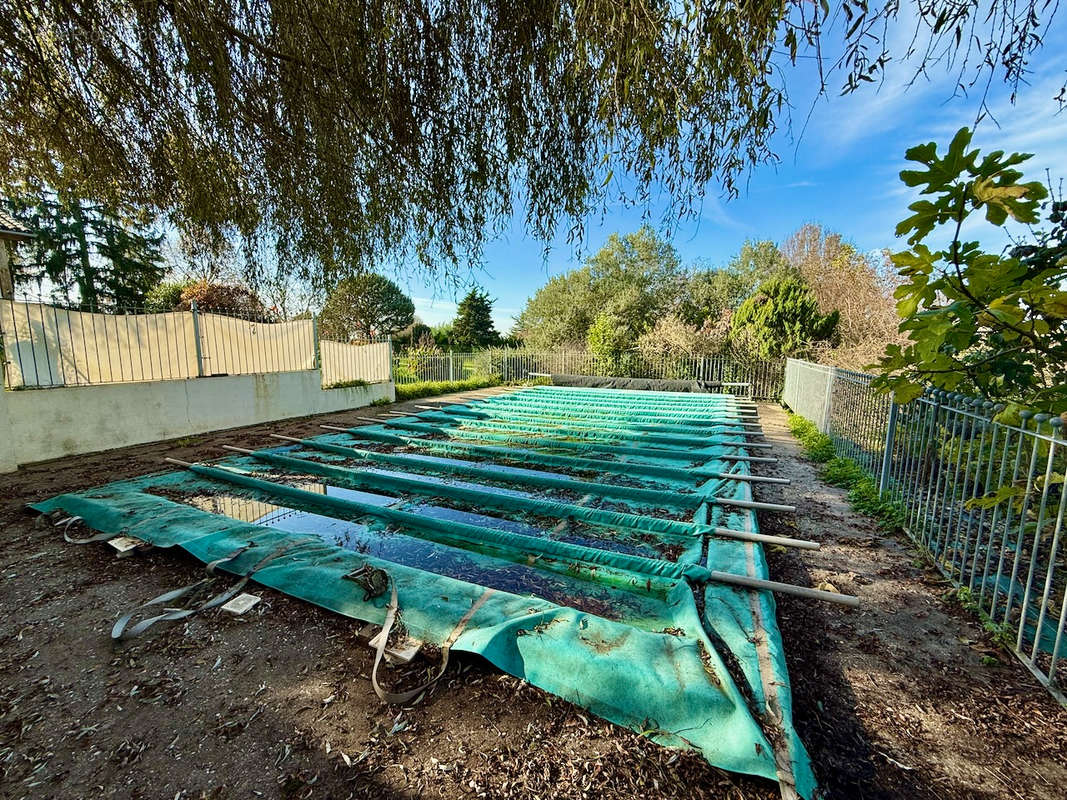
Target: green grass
(1001, 633)
(346, 384)
(817, 446)
(411, 391)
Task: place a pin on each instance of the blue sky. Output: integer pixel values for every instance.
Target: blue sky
(841, 171)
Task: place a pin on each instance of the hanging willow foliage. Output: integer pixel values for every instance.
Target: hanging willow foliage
(349, 134)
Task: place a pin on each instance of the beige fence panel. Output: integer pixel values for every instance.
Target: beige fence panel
(343, 362)
(49, 346)
(234, 346)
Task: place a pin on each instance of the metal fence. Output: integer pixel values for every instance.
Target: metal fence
(47, 345)
(416, 366)
(764, 378)
(981, 490)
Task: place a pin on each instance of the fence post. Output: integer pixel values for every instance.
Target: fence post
(317, 356)
(196, 340)
(451, 367)
(389, 341)
(887, 454)
(828, 400)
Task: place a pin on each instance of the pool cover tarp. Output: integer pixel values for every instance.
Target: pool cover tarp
(644, 384)
(577, 524)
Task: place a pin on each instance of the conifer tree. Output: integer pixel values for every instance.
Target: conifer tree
(473, 326)
(87, 252)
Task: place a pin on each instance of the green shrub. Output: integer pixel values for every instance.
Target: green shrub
(863, 492)
(347, 384)
(782, 319)
(166, 296)
(411, 391)
(817, 446)
(842, 472)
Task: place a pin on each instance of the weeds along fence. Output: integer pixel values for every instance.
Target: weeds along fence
(764, 379)
(980, 489)
(46, 345)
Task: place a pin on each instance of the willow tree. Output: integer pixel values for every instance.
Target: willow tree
(361, 133)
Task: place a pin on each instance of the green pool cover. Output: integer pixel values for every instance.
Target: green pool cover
(567, 535)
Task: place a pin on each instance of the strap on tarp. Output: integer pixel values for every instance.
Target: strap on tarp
(390, 618)
(119, 631)
(98, 537)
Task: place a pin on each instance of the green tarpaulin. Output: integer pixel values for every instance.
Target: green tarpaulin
(578, 524)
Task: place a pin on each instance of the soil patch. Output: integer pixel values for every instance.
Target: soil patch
(892, 700)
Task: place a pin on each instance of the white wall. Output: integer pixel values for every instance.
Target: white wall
(7, 451)
(41, 424)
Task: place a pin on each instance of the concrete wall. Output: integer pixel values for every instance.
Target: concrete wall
(7, 450)
(41, 424)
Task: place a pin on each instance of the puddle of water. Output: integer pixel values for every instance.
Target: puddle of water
(478, 568)
(472, 518)
(557, 496)
(448, 481)
(357, 495)
(570, 531)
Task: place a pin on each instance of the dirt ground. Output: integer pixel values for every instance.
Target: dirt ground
(892, 700)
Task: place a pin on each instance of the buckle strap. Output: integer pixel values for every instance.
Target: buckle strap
(119, 632)
(387, 626)
(98, 537)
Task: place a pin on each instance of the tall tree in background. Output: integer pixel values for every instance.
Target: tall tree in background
(346, 135)
(782, 319)
(365, 306)
(632, 278)
(710, 293)
(94, 254)
(856, 285)
(473, 325)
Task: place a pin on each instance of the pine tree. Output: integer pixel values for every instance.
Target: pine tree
(104, 256)
(782, 319)
(473, 327)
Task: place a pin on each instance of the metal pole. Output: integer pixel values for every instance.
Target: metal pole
(887, 454)
(827, 400)
(196, 340)
(389, 339)
(784, 588)
(317, 356)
